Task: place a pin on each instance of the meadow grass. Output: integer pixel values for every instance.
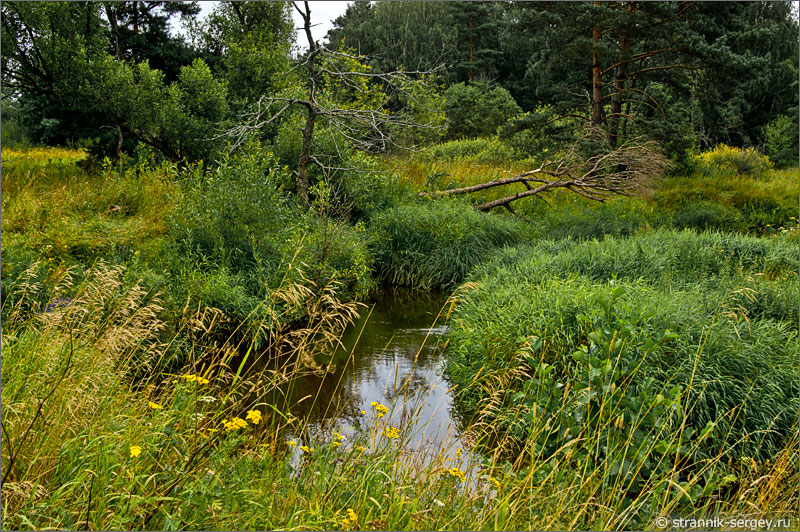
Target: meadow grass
(86, 447)
(129, 404)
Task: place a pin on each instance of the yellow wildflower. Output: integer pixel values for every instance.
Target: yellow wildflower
(135, 451)
(458, 452)
(337, 444)
(351, 519)
(456, 472)
(154, 406)
(194, 378)
(379, 408)
(360, 448)
(495, 483)
(254, 416)
(391, 432)
(292, 443)
(235, 423)
(338, 436)
(306, 448)
(363, 412)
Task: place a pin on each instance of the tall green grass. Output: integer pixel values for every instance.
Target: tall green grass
(86, 447)
(435, 244)
(730, 300)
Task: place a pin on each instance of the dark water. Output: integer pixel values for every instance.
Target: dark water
(391, 355)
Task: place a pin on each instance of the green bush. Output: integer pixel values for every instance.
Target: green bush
(781, 141)
(360, 190)
(477, 110)
(237, 212)
(573, 217)
(725, 159)
(436, 243)
(730, 300)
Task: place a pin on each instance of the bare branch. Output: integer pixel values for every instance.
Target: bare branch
(622, 171)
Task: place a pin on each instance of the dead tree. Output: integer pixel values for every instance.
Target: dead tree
(368, 129)
(621, 171)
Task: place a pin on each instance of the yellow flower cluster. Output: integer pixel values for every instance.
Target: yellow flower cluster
(306, 448)
(351, 519)
(292, 443)
(379, 408)
(154, 406)
(235, 423)
(391, 432)
(194, 378)
(42, 155)
(456, 472)
(360, 448)
(253, 416)
(495, 483)
(135, 451)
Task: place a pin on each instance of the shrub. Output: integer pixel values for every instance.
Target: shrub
(435, 244)
(237, 212)
(730, 160)
(781, 141)
(477, 110)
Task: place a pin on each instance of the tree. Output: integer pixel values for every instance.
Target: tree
(476, 110)
(139, 31)
(351, 99)
(620, 171)
(248, 44)
(628, 60)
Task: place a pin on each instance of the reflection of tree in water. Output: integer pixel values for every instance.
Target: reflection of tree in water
(379, 354)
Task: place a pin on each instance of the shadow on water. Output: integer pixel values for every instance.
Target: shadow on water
(391, 355)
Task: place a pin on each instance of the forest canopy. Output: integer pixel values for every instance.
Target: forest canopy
(691, 75)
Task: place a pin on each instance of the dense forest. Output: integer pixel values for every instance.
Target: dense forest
(239, 263)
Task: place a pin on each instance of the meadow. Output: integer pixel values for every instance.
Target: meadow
(613, 362)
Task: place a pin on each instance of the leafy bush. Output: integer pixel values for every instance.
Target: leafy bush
(435, 244)
(477, 110)
(359, 190)
(730, 160)
(237, 212)
(781, 141)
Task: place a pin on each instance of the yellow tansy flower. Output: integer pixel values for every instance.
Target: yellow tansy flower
(495, 483)
(360, 448)
(135, 451)
(391, 432)
(154, 406)
(337, 444)
(235, 423)
(254, 416)
(292, 443)
(456, 472)
(306, 448)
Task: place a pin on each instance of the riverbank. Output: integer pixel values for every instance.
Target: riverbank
(131, 311)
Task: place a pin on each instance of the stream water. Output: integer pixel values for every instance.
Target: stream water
(391, 355)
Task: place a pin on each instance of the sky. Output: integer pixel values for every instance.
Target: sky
(322, 15)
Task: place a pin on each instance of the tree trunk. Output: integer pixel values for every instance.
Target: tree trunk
(597, 76)
(305, 159)
(619, 86)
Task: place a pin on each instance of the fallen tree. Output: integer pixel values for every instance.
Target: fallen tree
(622, 171)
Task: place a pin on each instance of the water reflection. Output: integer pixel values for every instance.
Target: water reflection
(391, 355)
